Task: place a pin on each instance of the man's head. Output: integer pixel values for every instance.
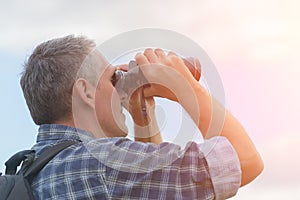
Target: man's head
(59, 70)
(49, 75)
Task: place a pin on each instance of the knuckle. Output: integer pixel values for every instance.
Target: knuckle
(159, 51)
(148, 50)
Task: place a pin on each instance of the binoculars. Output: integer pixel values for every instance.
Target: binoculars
(127, 82)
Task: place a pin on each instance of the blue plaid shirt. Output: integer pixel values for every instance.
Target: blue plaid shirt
(118, 168)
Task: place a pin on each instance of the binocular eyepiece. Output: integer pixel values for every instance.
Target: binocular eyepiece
(127, 82)
(119, 74)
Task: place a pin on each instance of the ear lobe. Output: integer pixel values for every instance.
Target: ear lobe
(85, 91)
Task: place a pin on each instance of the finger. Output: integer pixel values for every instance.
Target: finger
(159, 52)
(171, 53)
(123, 67)
(176, 61)
(151, 56)
(141, 59)
(135, 101)
(162, 56)
(149, 102)
(149, 91)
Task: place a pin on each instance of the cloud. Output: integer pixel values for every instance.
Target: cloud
(281, 160)
(222, 27)
(280, 178)
(267, 192)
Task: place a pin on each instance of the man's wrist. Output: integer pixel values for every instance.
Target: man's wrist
(153, 138)
(146, 131)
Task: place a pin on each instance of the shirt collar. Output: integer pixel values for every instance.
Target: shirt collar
(59, 132)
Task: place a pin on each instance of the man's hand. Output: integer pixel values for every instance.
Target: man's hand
(142, 111)
(167, 74)
(141, 108)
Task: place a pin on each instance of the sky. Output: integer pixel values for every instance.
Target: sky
(253, 44)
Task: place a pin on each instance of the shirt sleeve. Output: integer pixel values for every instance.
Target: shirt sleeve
(223, 166)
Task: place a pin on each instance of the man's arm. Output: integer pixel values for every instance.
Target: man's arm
(250, 160)
(176, 79)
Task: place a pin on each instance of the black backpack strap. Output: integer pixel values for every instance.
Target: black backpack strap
(15, 161)
(45, 157)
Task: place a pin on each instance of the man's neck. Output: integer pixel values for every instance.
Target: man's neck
(91, 129)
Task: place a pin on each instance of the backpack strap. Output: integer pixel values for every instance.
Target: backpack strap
(14, 161)
(45, 157)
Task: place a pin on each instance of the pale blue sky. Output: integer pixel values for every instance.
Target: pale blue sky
(18, 130)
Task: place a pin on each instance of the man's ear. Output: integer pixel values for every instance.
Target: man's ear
(85, 91)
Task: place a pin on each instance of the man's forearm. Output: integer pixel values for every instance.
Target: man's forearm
(210, 109)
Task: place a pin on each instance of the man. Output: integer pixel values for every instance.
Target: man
(68, 88)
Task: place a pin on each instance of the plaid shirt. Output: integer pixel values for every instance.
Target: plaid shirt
(118, 168)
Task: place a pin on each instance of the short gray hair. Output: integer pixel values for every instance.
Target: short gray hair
(49, 75)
